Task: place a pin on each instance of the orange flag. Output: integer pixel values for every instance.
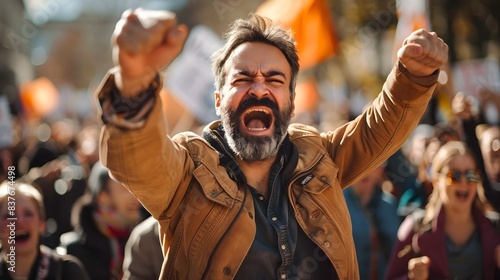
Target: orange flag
(311, 23)
(315, 36)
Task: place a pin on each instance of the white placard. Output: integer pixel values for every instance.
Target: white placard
(190, 78)
(469, 76)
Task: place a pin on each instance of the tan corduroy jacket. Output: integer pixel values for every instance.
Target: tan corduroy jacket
(207, 223)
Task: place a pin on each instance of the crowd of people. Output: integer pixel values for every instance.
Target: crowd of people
(419, 200)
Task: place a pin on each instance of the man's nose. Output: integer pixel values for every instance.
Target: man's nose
(259, 89)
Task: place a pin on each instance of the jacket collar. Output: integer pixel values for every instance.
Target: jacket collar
(214, 134)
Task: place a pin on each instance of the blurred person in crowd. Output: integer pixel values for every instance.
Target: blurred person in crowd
(457, 235)
(402, 166)
(415, 146)
(22, 223)
(253, 197)
(483, 140)
(488, 98)
(420, 156)
(375, 223)
(103, 220)
(143, 257)
(48, 142)
(63, 181)
(416, 197)
(446, 131)
(489, 142)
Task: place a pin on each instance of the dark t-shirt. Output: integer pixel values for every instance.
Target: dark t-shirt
(465, 261)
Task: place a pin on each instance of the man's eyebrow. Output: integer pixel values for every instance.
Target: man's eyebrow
(274, 73)
(243, 73)
(266, 74)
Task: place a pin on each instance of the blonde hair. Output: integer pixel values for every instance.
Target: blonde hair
(7, 189)
(442, 158)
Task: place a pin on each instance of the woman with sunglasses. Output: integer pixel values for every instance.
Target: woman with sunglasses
(457, 235)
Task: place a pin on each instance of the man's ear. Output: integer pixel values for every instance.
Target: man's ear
(293, 104)
(217, 97)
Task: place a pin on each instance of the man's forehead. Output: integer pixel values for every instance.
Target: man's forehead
(252, 56)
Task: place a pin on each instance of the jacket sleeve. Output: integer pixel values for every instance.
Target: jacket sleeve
(365, 143)
(139, 153)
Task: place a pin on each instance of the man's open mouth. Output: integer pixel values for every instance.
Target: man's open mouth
(258, 119)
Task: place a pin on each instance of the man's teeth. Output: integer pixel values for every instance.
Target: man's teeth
(257, 119)
(257, 128)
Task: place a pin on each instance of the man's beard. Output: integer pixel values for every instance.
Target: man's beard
(255, 148)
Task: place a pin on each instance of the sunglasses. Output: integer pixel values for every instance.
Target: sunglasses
(471, 175)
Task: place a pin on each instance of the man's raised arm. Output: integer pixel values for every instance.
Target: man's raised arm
(134, 142)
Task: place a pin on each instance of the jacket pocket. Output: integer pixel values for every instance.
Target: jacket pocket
(217, 188)
(321, 176)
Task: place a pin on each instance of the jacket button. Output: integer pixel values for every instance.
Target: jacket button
(213, 193)
(324, 179)
(227, 270)
(250, 214)
(327, 244)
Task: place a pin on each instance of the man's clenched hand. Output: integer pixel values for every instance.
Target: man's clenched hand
(145, 41)
(423, 53)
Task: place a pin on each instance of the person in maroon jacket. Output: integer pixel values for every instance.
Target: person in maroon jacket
(457, 235)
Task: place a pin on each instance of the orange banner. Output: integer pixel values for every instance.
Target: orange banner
(311, 23)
